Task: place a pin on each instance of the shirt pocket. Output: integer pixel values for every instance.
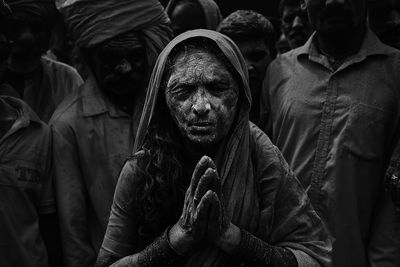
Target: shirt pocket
(20, 174)
(365, 131)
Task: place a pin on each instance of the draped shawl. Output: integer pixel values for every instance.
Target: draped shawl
(210, 9)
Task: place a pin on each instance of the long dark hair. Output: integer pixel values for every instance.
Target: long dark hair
(164, 182)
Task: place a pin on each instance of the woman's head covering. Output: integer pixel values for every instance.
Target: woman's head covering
(92, 22)
(43, 10)
(5, 15)
(210, 9)
(227, 47)
(4, 9)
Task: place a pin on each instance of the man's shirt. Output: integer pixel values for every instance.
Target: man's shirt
(47, 89)
(92, 138)
(336, 129)
(25, 188)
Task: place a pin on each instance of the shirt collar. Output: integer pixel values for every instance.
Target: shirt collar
(25, 113)
(95, 102)
(370, 46)
(26, 116)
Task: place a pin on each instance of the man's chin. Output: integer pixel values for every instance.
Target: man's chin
(336, 34)
(337, 28)
(297, 42)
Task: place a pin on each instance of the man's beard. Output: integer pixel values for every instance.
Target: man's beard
(336, 23)
(121, 86)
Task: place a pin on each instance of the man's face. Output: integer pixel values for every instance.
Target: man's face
(336, 17)
(295, 25)
(186, 17)
(30, 40)
(120, 70)
(384, 19)
(202, 97)
(257, 56)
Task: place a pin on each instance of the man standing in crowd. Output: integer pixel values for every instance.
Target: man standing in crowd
(42, 83)
(255, 37)
(94, 130)
(294, 23)
(27, 208)
(384, 20)
(193, 14)
(333, 108)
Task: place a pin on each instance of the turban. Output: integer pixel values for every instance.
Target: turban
(92, 22)
(43, 10)
(210, 9)
(5, 10)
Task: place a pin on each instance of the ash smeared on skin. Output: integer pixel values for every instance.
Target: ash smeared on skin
(202, 97)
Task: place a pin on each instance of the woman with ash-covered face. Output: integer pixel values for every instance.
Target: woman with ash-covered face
(242, 203)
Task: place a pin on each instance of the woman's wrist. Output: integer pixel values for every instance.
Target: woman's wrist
(179, 241)
(230, 239)
(157, 253)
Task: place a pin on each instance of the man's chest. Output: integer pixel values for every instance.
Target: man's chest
(307, 96)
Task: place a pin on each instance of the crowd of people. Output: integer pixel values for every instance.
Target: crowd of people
(141, 133)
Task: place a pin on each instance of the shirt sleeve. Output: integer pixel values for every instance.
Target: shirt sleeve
(71, 198)
(47, 203)
(121, 234)
(384, 241)
(265, 108)
(295, 224)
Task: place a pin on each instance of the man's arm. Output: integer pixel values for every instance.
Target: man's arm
(71, 198)
(50, 232)
(265, 107)
(48, 220)
(384, 243)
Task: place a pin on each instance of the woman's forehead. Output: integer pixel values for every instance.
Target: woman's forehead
(198, 64)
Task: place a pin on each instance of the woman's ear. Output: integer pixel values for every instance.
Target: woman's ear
(303, 4)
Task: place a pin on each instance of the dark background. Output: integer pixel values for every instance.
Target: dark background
(268, 8)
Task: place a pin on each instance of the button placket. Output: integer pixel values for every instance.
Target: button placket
(323, 144)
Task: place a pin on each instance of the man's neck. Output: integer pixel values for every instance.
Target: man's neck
(7, 112)
(341, 47)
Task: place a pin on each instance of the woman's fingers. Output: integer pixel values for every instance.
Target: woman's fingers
(217, 185)
(214, 217)
(206, 183)
(201, 167)
(200, 219)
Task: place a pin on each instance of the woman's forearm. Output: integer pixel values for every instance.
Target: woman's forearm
(158, 253)
(251, 249)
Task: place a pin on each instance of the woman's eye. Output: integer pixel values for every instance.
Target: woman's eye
(218, 89)
(181, 90)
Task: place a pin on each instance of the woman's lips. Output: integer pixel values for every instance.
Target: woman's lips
(201, 126)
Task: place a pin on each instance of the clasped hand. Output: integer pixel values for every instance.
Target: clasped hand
(203, 215)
